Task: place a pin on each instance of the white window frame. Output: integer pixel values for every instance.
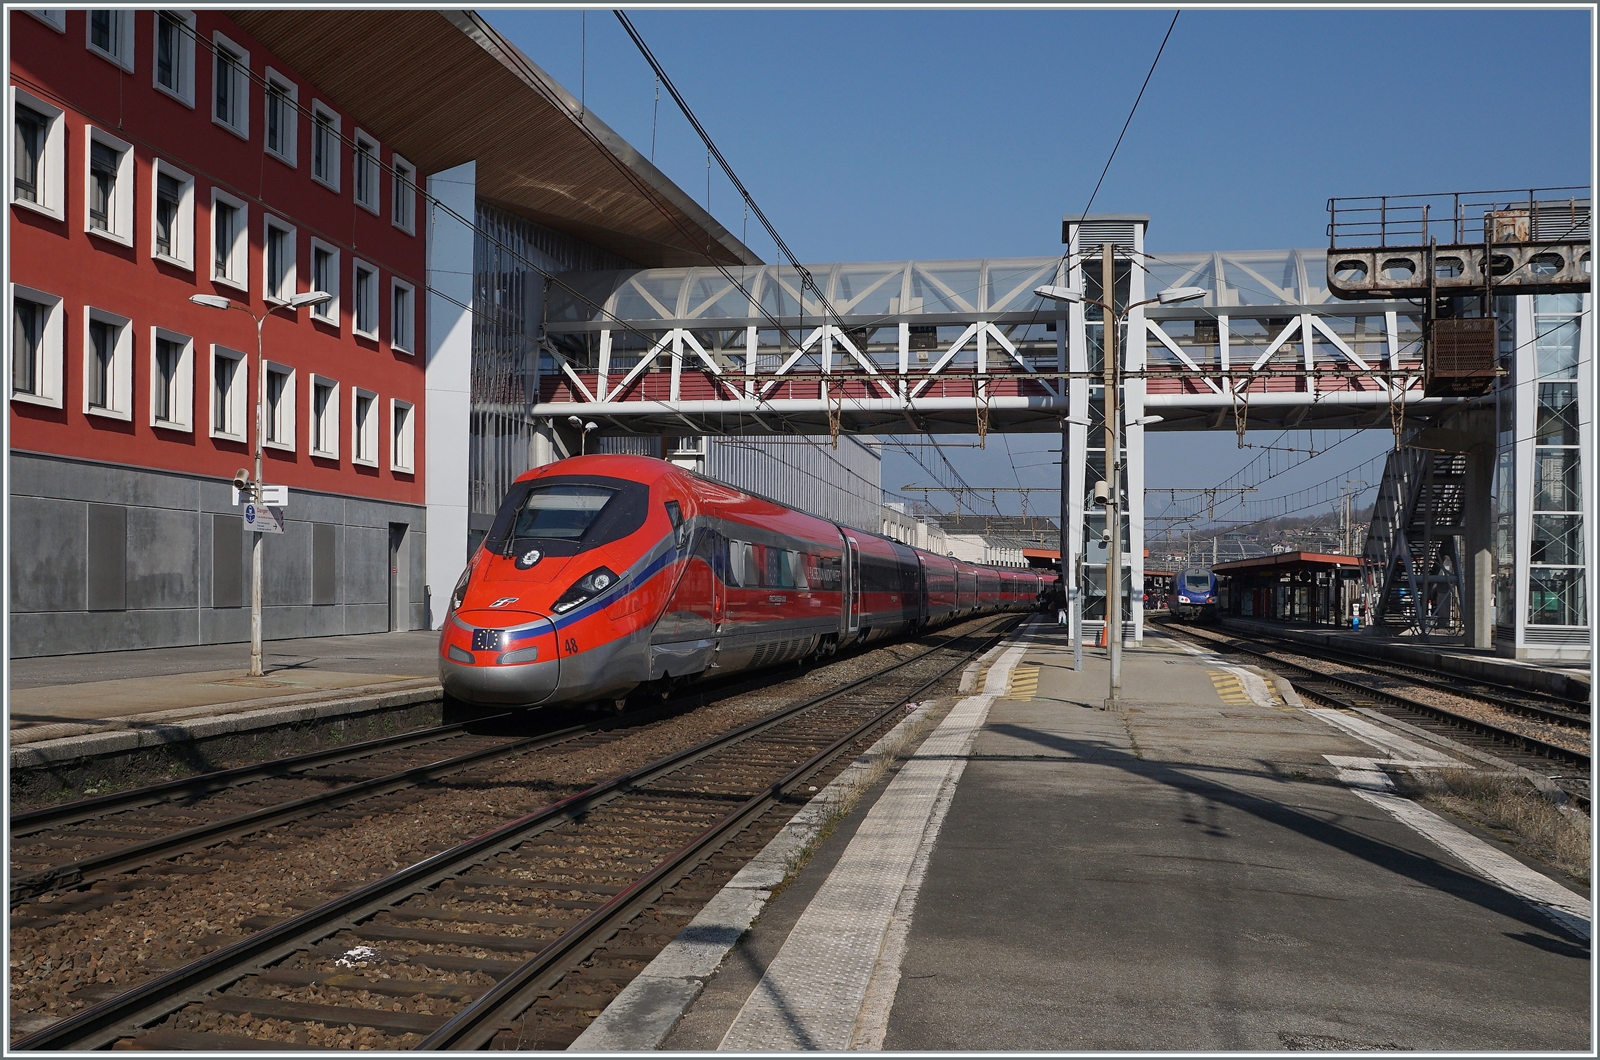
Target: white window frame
(240, 127)
(238, 274)
(328, 312)
(183, 225)
(364, 437)
(238, 394)
(287, 408)
(402, 334)
(403, 194)
(402, 442)
(269, 224)
(121, 220)
(331, 179)
(184, 90)
(184, 381)
(121, 53)
(357, 266)
(120, 405)
(54, 17)
(370, 167)
(332, 414)
(291, 114)
(48, 372)
(51, 183)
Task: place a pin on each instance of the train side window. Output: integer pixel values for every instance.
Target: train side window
(797, 570)
(680, 533)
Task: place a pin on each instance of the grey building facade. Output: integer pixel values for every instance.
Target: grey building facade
(105, 557)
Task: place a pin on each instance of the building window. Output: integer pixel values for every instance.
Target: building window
(324, 146)
(35, 347)
(230, 245)
(278, 392)
(228, 394)
(366, 171)
(172, 216)
(403, 315)
(404, 195)
(401, 436)
(364, 427)
(325, 277)
(230, 81)
(365, 294)
(109, 187)
(111, 34)
(277, 263)
(324, 417)
(174, 65)
(107, 364)
(38, 144)
(55, 17)
(171, 380)
(282, 117)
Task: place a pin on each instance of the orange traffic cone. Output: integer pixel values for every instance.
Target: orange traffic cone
(1102, 643)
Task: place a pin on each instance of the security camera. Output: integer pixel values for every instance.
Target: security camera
(241, 479)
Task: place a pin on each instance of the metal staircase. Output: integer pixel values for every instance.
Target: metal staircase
(1413, 549)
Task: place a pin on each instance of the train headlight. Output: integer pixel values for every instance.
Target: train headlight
(585, 588)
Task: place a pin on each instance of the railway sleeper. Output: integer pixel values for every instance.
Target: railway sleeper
(396, 1023)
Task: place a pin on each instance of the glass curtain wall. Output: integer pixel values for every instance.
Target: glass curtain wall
(1556, 575)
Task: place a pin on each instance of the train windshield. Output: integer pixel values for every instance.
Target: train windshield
(1197, 580)
(561, 511)
(567, 515)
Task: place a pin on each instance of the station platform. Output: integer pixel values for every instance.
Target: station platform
(1215, 866)
(74, 702)
(1570, 680)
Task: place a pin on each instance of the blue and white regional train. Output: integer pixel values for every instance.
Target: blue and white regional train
(1194, 594)
(605, 574)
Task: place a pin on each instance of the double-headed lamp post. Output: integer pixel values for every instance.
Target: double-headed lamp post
(1112, 320)
(216, 301)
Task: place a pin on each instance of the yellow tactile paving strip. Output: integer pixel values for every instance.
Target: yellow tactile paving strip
(1229, 688)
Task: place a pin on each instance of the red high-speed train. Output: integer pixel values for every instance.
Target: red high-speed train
(602, 574)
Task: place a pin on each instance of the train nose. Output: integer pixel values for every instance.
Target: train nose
(500, 657)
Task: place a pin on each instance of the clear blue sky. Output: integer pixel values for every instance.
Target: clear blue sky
(884, 135)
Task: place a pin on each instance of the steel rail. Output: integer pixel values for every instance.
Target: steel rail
(120, 1016)
(29, 821)
(1576, 713)
(477, 1024)
(1309, 677)
(137, 855)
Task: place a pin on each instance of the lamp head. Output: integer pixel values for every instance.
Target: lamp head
(309, 298)
(1180, 294)
(591, 425)
(211, 301)
(1058, 294)
(576, 421)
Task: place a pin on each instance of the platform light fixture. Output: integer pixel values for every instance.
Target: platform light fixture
(217, 301)
(1113, 447)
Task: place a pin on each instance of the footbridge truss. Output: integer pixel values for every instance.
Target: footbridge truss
(967, 347)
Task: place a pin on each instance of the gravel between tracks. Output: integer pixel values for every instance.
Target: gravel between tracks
(61, 968)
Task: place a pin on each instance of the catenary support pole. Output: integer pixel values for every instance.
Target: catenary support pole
(1108, 317)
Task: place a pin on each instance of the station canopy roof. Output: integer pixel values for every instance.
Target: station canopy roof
(443, 88)
(866, 293)
(1286, 561)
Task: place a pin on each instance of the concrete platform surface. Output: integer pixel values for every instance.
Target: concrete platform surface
(70, 695)
(1213, 868)
(1569, 679)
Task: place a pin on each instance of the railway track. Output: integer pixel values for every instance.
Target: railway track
(1564, 741)
(67, 846)
(517, 937)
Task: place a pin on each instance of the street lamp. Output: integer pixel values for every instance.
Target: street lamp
(584, 429)
(1112, 320)
(217, 301)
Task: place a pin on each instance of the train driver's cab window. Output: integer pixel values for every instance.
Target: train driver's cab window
(562, 512)
(1197, 581)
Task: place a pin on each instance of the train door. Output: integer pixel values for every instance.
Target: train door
(719, 576)
(852, 571)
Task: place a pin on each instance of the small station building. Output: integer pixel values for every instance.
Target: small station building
(1314, 587)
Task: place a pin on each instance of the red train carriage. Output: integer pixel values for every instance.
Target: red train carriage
(604, 573)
